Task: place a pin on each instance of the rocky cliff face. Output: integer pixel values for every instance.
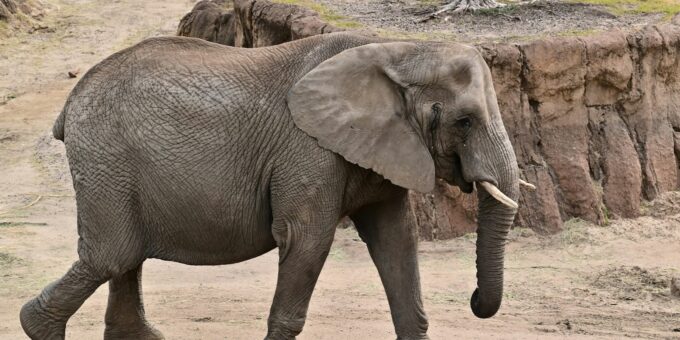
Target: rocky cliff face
(595, 121)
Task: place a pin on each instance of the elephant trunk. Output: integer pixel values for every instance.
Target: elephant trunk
(495, 220)
(497, 208)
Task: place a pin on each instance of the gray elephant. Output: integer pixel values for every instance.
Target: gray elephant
(193, 152)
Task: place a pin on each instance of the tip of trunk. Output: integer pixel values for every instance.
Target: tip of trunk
(481, 308)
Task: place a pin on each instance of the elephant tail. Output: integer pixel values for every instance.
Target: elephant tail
(58, 128)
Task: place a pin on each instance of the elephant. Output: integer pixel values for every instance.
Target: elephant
(203, 154)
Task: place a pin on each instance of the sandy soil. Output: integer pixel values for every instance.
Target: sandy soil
(586, 283)
(521, 20)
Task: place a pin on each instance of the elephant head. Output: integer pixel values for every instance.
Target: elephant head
(412, 112)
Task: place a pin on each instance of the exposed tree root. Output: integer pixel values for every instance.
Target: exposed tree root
(458, 6)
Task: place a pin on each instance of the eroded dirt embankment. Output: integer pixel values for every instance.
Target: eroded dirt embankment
(595, 120)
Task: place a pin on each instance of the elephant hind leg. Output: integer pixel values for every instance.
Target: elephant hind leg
(45, 316)
(125, 318)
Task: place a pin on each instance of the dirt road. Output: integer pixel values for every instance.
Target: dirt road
(589, 282)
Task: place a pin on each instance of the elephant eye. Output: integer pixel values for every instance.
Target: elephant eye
(464, 123)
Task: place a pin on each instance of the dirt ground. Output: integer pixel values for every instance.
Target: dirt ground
(521, 20)
(587, 283)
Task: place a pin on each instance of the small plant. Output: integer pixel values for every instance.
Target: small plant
(470, 237)
(6, 98)
(605, 216)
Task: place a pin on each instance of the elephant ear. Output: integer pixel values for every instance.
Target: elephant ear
(353, 104)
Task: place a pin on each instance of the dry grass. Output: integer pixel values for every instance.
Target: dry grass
(326, 14)
(620, 7)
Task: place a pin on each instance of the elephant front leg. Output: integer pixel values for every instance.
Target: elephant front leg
(302, 253)
(389, 230)
(125, 311)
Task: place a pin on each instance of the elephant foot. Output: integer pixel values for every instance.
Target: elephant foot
(142, 332)
(38, 324)
(277, 337)
(417, 337)
(280, 334)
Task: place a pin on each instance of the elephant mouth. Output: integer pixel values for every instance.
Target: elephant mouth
(458, 178)
(488, 185)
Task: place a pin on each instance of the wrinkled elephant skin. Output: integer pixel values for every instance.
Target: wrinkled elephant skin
(189, 151)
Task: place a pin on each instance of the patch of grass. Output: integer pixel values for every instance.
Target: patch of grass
(606, 215)
(21, 224)
(7, 260)
(328, 15)
(337, 254)
(575, 232)
(430, 2)
(470, 237)
(619, 7)
(578, 33)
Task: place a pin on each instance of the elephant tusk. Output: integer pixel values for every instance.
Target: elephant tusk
(497, 194)
(527, 184)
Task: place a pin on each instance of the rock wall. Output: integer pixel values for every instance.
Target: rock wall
(595, 121)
